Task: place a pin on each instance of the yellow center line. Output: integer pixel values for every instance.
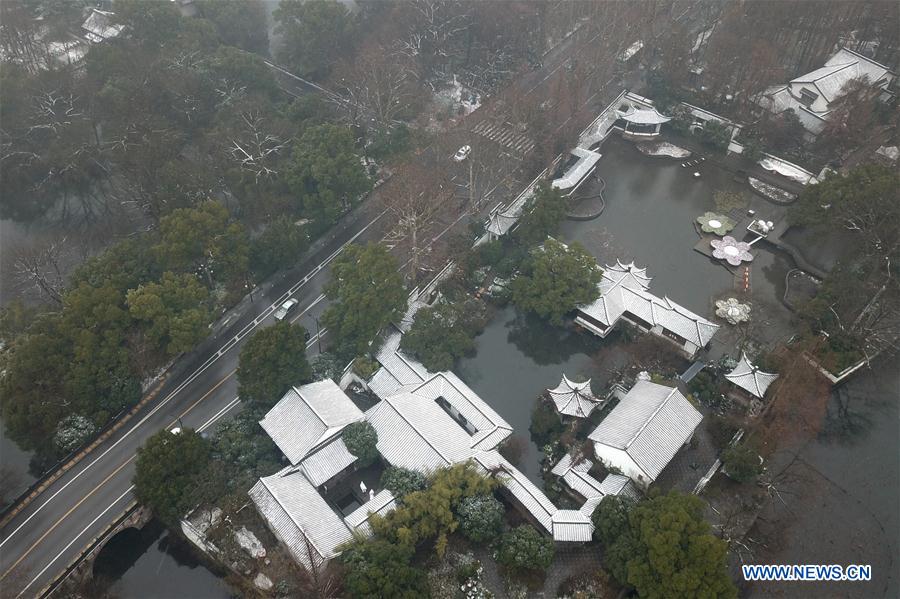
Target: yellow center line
(64, 516)
(106, 480)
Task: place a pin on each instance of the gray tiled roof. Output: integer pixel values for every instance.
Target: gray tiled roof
(490, 426)
(308, 416)
(650, 424)
(574, 399)
(404, 369)
(525, 491)
(572, 526)
(324, 463)
(294, 509)
(382, 503)
(623, 288)
(750, 378)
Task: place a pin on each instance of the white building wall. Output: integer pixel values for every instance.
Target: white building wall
(618, 458)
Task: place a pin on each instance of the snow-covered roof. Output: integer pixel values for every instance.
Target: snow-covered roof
(307, 417)
(100, 26)
(296, 512)
(572, 526)
(650, 424)
(415, 432)
(294, 509)
(578, 171)
(382, 503)
(750, 378)
(574, 399)
(523, 490)
(623, 288)
(398, 369)
(645, 116)
(322, 464)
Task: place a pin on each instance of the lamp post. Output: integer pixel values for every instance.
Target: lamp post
(318, 335)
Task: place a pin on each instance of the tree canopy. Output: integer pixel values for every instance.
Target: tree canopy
(203, 239)
(548, 209)
(361, 440)
(555, 280)
(431, 513)
(859, 301)
(377, 568)
(481, 518)
(610, 518)
(173, 312)
(524, 549)
(669, 551)
(240, 23)
(281, 245)
(444, 332)
(272, 360)
(316, 33)
(367, 293)
(166, 473)
(326, 173)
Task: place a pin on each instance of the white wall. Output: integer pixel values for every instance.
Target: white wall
(617, 458)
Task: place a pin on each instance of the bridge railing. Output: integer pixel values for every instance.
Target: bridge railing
(54, 584)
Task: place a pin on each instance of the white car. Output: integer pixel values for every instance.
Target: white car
(286, 307)
(462, 153)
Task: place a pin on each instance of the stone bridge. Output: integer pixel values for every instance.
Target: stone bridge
(82, 568)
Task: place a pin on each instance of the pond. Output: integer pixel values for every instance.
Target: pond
(651, 206)
(152, 563)
(518, 357)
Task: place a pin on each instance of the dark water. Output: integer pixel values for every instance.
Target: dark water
(14, 461)
(154, 564)
(843, 493)
(651, 204)
(517, 359)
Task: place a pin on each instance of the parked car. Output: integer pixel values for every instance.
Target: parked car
(286, 307)
(462, 153)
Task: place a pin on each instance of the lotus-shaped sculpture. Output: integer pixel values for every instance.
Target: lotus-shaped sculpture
(730, 249)
(711, 222)
(732, 310)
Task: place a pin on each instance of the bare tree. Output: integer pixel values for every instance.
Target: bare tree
(380, 85)
(38, 265)
(414, 198)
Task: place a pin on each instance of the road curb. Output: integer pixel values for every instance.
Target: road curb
(37, 491)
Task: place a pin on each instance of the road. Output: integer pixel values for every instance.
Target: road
(50, 532)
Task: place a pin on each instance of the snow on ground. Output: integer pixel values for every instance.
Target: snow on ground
(248, 541)
(770, 191)
(663, 148)
(457, 95)
(786, 169)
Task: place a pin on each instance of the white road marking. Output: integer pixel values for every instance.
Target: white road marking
(224, 349)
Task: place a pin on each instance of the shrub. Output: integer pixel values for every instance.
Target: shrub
(377, 568)
(402, 481)
(72, 432)
(481, 517)
(432, 513)
(360, 439)
(525, 549)
(741, 462)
